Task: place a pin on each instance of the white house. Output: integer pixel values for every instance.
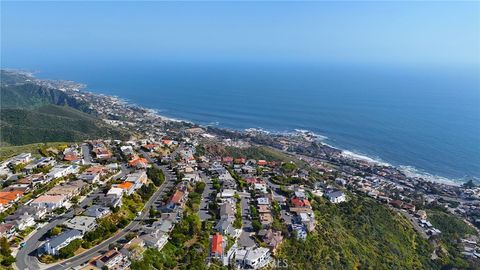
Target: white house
(336, 196)
(53, 245)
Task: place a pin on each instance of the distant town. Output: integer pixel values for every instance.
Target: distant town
(106, 203)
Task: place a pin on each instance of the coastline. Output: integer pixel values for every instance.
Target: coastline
(410, 171)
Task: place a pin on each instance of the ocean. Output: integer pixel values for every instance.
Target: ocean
(426, 120)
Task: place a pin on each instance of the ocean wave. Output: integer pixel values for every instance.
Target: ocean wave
(363, 157)
(413, 172)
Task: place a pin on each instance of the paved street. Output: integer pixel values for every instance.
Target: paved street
(26, 257)
(203, 211)
(245, 240)
(134, 225)
(87, 157)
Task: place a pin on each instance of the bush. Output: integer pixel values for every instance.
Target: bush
(69, 250)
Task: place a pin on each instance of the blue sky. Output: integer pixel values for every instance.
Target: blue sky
(430, 33)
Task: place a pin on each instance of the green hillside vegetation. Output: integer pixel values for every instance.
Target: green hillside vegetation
(52, 123)
(29, 95)
(34, 148)
(452, 228)
(359, 234)
(31, 113)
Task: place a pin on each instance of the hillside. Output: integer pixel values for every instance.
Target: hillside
(29, 95)
(51, 123)
(31, 113)
(360, 234)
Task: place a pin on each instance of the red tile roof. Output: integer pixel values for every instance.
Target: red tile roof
(217, 247)
(262, 162)
(177, 197)
(227, 159)
(300, 203)
(135, 162)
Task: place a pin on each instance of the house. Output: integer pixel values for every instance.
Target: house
(62, 170)
(266, 218)
(35, 212)
(21, 221)
(69, 190)
(225, 227)
(308, 220)
(300, 231)
(300, 203)
(111, 199)
(178, 197)
(50, 202)
(93, 174)
(115, 192)
(156, 239)
(227, 160)
(138, 162)
(227, 211)
(271, 238)
(262, 162)
(39, 163)
(336, 196)
(126, 187)
(21, 159)
(112, 259)
(138, 179)
(39, 179)
(81, 223)
(252, 257)
(134, 248)
(53, 245)
(7, 230)
(97, 211)
(260, 186)
(9, 197)
(216, 246)
(263, 201)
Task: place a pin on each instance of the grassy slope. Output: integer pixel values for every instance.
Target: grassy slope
(10, 151)
(52, 123)
(360, 234)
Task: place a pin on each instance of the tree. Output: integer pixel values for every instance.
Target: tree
(156, 175)
(257, 226)
(4, 247)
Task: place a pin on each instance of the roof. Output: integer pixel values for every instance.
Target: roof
(137, 161)
(109, 256)
(177, 197)
(61, 238)
(125, 185)
(335, 194)
(96, 211)
(300, 202)
(217, 243)
(9, 196)
(49, 199)
(261, 162)
(5, 227)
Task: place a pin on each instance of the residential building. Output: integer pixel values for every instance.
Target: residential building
(97, 211)
(216, 246)
(336, 196)
(53, 245)
(81, 223)
(50, 202)
(113, 260)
